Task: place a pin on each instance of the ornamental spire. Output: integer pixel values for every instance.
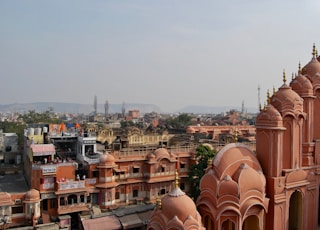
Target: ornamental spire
(268, 96)
(176, 179)
(284, 77)
(209, 163)
(159, 203)
(314, 50)
(235, 135)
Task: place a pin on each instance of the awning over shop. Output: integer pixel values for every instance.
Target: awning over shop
(42, 149)
(131, 221)
(102, 223)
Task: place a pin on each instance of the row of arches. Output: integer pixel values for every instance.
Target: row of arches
(230, 221)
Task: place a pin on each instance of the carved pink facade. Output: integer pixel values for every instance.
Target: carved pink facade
(233, 190)
(278, 186)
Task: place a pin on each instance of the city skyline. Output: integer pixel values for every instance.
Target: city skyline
(168, 53)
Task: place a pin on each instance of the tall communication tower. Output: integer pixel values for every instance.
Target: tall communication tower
(242, 107)
(95, 104)
(106, 109)
(123, 109)
(259, 101)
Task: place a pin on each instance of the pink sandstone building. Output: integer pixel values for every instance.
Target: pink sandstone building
(276, 187)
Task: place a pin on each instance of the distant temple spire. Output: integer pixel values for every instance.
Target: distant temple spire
(268, 96)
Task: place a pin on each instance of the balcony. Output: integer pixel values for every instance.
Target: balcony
(77, 207)
(65, 185)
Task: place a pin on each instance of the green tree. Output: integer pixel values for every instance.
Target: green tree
(125, 124)
(196, 171)
(181, 121)
(14, 127)
(33, 117)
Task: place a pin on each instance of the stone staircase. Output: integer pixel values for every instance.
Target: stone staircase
(46, 218)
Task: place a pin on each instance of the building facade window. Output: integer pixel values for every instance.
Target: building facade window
(117, 195)
(135, 193)
(62, 202)
(52, 203)
(17, 209)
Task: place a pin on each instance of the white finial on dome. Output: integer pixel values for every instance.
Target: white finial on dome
(176, 191)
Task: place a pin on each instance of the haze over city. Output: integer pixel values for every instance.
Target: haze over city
(168, 53)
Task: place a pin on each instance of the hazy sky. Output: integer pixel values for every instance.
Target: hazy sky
(168, 53)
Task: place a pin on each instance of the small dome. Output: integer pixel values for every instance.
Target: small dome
(257, 180)
(287, 100)
(302, 86)
(269, 117)
(161, 153)
(177, 203)
(106, 159)
(228, 187)
(5, 199)
(312, 68)
(228, 159)
(176, 211)
(32, 195)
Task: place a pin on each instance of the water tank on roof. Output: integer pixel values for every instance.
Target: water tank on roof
(37, 131)
(31, 131)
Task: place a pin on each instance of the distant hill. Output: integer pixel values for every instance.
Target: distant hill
(113, 108)
(75, 107)
(213, 109)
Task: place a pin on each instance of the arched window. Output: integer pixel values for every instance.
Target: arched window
(62, 202)
(72, 199)
(295, 211)
(228, 225)
(251, 223)
(208, 223)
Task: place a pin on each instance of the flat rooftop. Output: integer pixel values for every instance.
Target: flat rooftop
(13, 183)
